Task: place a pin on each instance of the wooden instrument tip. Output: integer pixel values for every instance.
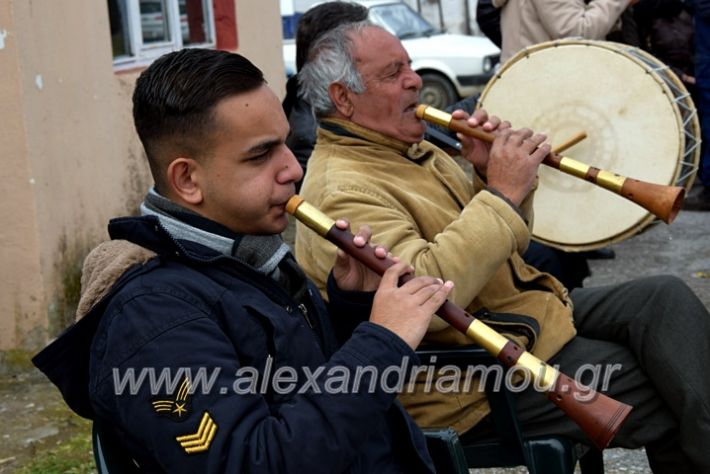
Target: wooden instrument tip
(293, 203)
(421, 110)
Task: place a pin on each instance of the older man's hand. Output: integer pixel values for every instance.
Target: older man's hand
(515, 157)
(473, 150)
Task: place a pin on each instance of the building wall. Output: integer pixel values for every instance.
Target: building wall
(19, 245)
(71, 158)
(260, 39)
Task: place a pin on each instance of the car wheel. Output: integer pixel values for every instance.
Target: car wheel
(437, 91)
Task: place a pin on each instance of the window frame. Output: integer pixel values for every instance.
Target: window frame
(143, 54)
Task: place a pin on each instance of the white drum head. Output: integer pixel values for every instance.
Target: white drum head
(632, 125)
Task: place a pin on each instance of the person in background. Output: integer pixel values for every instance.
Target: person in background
(488, 20)
(536, 21)
(699, 197)
(311, 25)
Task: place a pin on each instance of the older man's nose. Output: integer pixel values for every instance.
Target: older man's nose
(413, 81)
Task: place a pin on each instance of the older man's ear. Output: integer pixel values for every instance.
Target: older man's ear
(340, 95)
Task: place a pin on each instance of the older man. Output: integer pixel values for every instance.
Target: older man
(370, 164)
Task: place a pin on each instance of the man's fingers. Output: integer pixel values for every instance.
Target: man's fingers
(492, 124)
(416, 284)
(504, 125)
(390, 279)
(423, 295)
(381, 252)
(533, 142)
(459, 114)
(519, 136)
(479, 117)
(540, 154)
(439, 296)
(342, 224)
(362, 236)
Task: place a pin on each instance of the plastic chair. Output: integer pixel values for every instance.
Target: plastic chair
(544, 455)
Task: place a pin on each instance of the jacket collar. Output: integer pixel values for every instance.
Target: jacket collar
(149, 233)
(345, 128)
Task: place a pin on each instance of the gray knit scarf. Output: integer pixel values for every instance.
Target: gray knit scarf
(261, 252)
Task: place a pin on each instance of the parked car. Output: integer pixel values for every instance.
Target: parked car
(451, 66)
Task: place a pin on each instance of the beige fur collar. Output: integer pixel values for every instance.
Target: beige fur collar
(104, 266)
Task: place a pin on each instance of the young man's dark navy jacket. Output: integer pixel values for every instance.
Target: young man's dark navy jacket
(189, 307)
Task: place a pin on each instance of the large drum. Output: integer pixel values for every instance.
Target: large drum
(639, 120)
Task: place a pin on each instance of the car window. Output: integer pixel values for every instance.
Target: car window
(151, 7)
(400, 20)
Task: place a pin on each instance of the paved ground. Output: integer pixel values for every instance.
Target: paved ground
(34, 420)
(681, 249)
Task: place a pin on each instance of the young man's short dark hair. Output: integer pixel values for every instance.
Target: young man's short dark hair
(174, 100)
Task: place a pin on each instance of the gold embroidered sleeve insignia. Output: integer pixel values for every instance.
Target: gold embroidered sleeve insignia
(200, 440)
(176, 408)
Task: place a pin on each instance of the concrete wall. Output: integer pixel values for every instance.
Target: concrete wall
(70, 156)
(260, 39)
(19, 244)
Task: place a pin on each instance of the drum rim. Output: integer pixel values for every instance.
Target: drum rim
(628, 52)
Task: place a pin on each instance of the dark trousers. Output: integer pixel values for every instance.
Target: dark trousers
(569, 268)
(656, 333)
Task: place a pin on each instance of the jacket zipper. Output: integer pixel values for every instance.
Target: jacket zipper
(304, 312)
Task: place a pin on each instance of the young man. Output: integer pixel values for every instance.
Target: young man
(201, 297)
(649, 337)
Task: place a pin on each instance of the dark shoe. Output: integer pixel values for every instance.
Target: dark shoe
(698, 199)
(600, 254)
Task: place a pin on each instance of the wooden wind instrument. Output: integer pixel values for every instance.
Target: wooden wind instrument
(663, 201)
(599, 416)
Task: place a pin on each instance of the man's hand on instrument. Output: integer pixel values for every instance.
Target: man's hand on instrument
(407, 310)
(475, 151)
(349, 273)
(515, 158)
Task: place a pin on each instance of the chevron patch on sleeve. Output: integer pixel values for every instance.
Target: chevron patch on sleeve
(200, 440)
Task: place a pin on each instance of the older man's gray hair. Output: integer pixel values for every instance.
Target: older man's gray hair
(331, 60)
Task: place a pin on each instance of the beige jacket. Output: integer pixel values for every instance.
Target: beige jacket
(527, 22)
(421, 206)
